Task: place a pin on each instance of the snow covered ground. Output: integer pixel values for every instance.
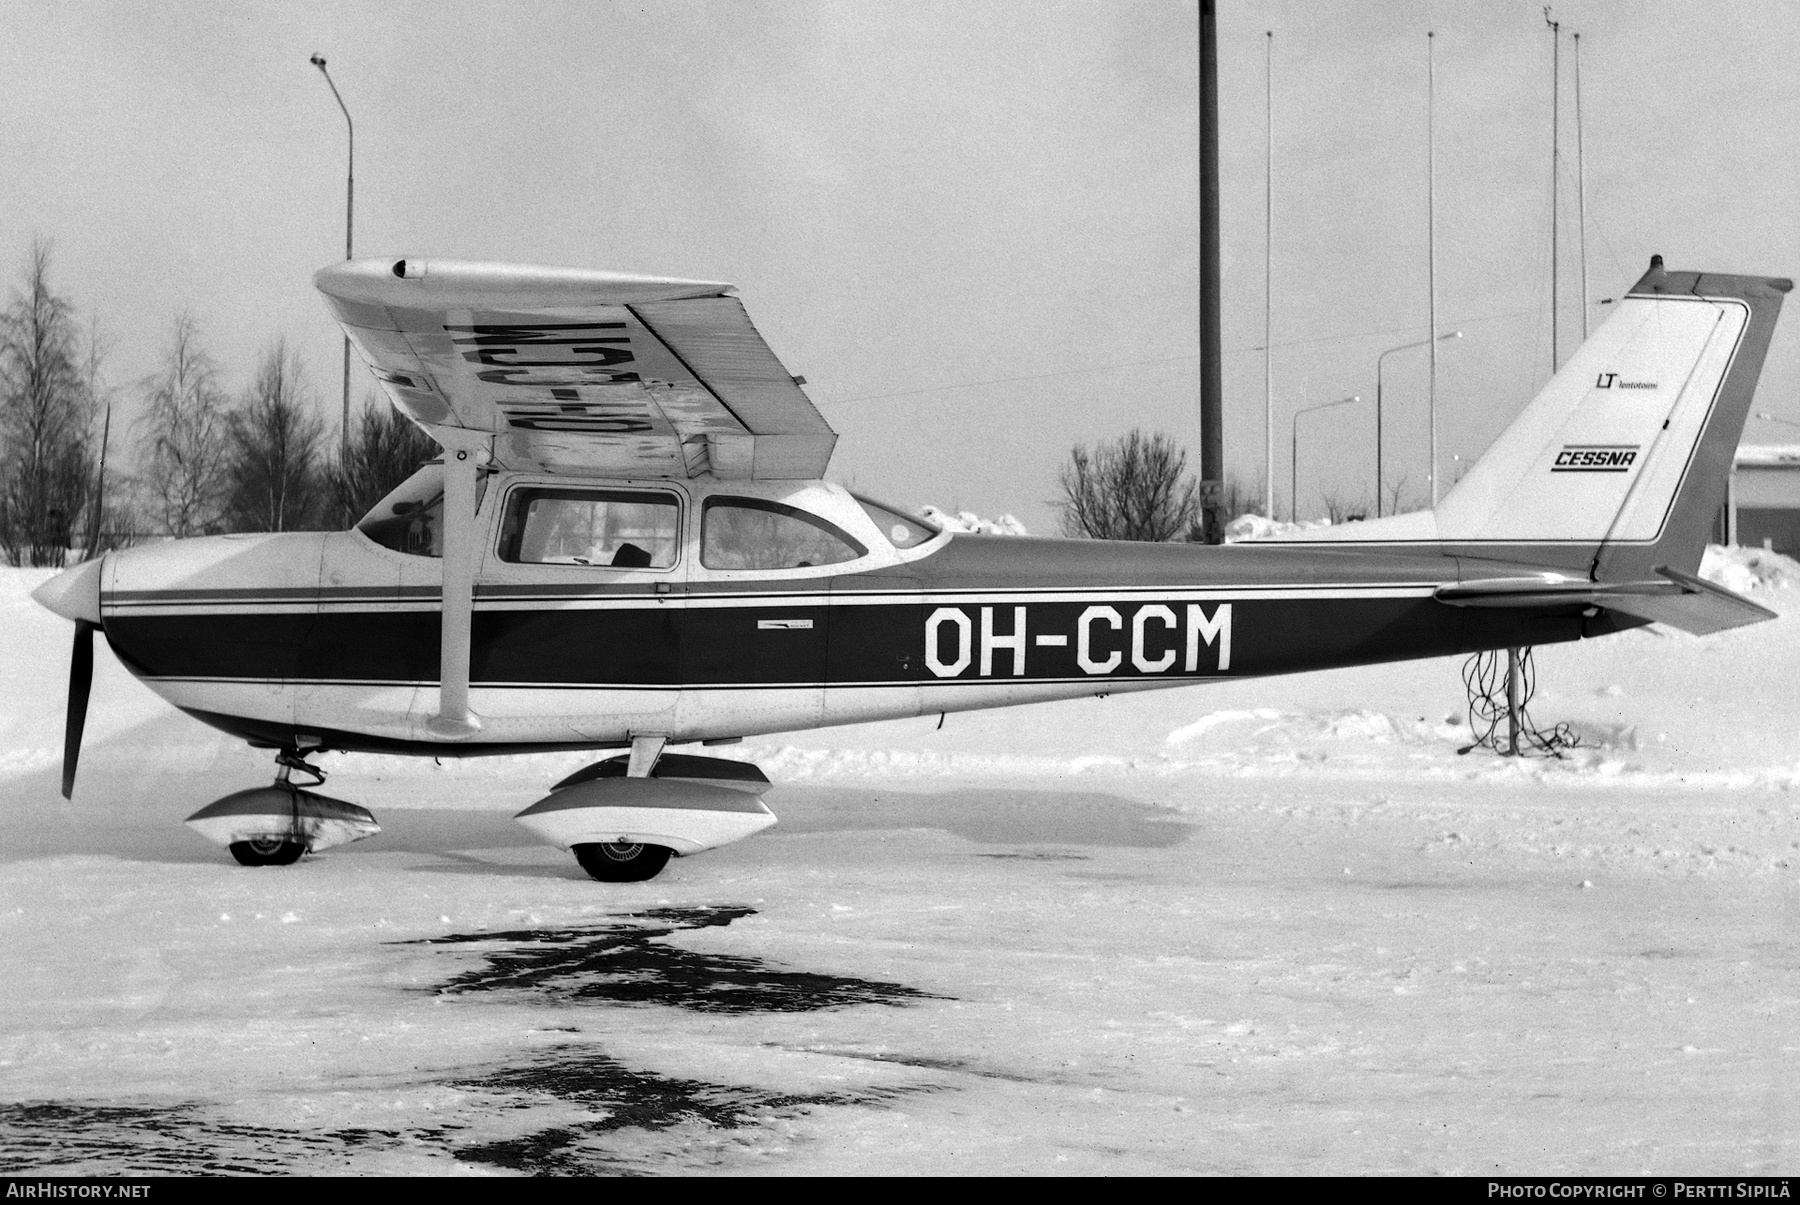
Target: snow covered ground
(1267, 926)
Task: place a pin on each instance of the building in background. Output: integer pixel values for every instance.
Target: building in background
(1762, 503)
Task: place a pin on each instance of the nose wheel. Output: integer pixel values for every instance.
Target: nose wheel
(278, 825)
(267, 851)
(284, 850)
(617, 862)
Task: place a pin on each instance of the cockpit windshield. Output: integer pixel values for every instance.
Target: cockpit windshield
(411, 518)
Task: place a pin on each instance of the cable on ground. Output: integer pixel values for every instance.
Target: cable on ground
(1484, 678)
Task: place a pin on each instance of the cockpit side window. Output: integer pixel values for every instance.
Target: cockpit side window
(619, 529)
(751, 533)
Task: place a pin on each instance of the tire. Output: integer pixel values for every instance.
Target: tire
(622, 863)
(268, 851)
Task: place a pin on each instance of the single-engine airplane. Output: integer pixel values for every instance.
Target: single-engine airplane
(627, 545)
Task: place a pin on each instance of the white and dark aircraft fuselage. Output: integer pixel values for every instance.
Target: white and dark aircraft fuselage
(532, 592)
(265, 636)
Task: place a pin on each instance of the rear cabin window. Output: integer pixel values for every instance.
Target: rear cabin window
(618, 529)
(902, 530)
(749, 533)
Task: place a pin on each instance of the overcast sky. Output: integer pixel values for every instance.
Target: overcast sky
(923, 202)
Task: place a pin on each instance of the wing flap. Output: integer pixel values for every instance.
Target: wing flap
(714, 337)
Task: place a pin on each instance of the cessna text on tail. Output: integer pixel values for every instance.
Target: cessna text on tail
(627, 545)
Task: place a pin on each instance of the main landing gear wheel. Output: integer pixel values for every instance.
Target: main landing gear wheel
(269, 851)
(618, 863)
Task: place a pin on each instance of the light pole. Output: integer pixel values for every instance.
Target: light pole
(1294, 454)
(1379, 361)
(318, 60)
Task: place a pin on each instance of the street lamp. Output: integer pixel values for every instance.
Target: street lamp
(318, 60)
(1294, 454)
(1770, 418)
(1379, 362)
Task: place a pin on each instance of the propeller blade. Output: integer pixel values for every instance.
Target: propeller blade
(81, 678)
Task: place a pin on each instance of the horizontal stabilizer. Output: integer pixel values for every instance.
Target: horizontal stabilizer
(1678, 599)
(1701, 608)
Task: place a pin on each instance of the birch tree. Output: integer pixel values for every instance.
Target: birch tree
(275, 470)
(385, 449)
(185, 431)
(45, 415)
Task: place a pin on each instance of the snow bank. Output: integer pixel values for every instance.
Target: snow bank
(969, 521)
(1749, 570)
(1256, 527)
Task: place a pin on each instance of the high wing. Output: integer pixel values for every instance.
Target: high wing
(595, 372)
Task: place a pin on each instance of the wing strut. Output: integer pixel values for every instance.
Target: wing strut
(464, 453)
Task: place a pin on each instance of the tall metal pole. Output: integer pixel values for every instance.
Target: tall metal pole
(1378, 360)
(97, 507)
(1581, 193)
(1555, 165)
(318, 60)
(1294, 454)
(1269, 272)
(1431, 243)
(1513, 704)
(1212, 387)
(97, 513)
(1380, 363)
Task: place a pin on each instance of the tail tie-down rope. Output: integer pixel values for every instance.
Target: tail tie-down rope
(1500, 689)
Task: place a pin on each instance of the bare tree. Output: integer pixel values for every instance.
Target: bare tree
(1136, 488)
(186, 427)
(1394, 494)
(1240, 497)
(45, 413)
(275, 470)
(385, 449)
(1340, 509)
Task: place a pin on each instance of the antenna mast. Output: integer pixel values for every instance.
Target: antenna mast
(1581, 193)
(1212, 392)
(1555, 164)
(1269, 273)
(1431, 245)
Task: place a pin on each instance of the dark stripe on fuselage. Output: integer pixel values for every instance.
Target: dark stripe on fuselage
(974, 641)
(1289, 609)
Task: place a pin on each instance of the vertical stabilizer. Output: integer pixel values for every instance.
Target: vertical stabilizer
(1629, 441)
(1687, 486)
(1619, 464)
